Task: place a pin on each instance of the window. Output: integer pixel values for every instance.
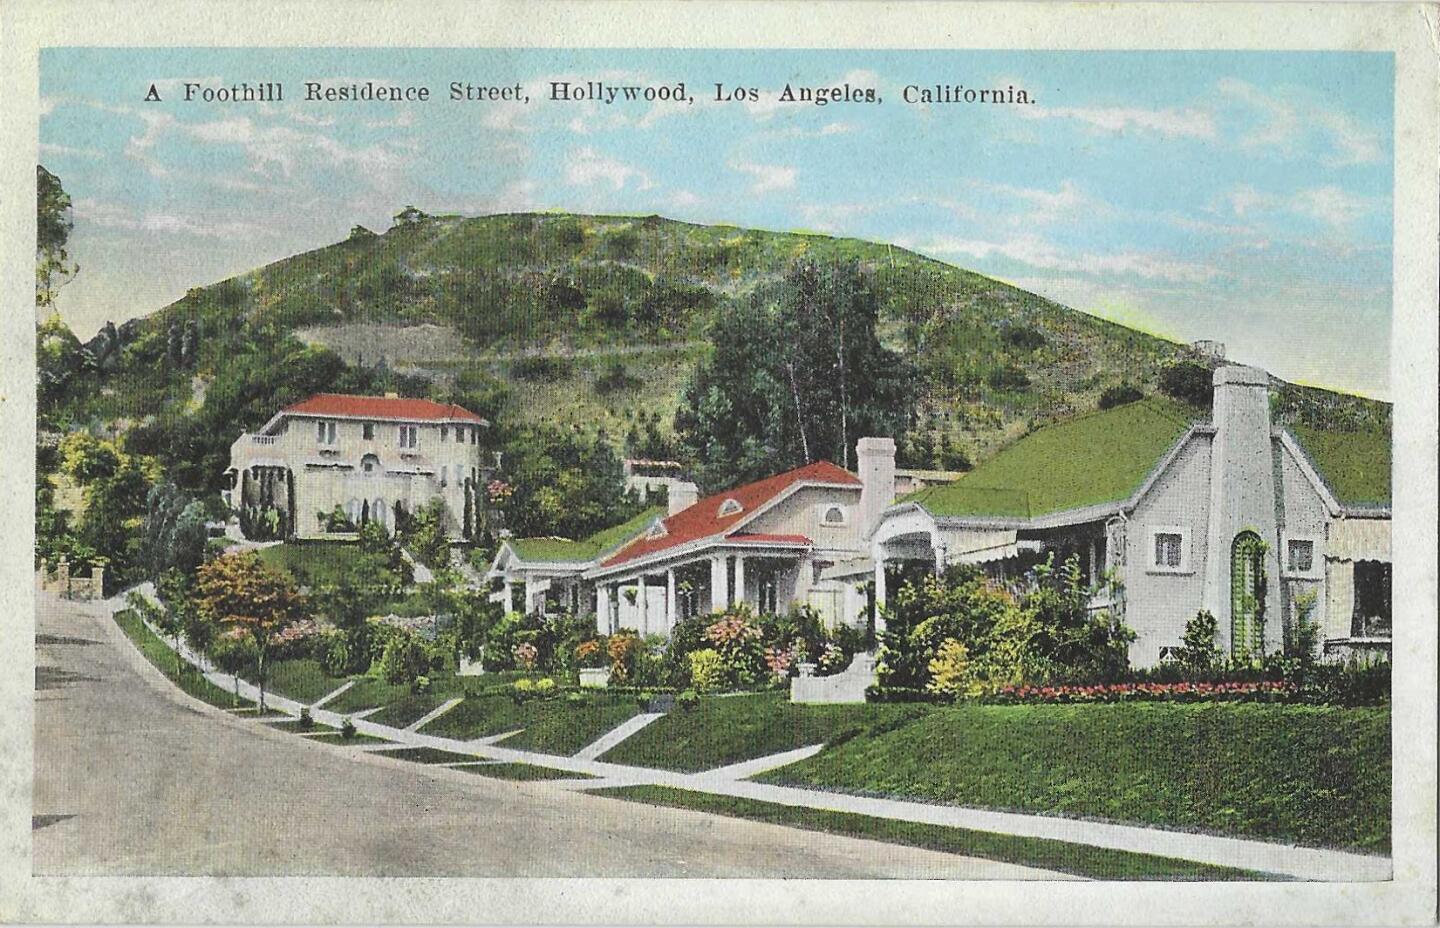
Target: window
(325, 433)
(444, 473)
(1168, 550)
(369, 464)
(368, 431)
(834, 515)
(474, 436)
(1372, 600)
(409, 436)
(730, 507)
(445, 433)
(1299, 556)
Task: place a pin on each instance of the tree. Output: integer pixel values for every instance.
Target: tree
(252, 599)
(114, 518)
(53, 224)
(425, 535)
(1188, 381)
(1120, 395)
(794, 376)
(174, 535)
(563, 484)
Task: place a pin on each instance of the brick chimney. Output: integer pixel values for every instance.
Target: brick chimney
(682, 495)
(875, 465)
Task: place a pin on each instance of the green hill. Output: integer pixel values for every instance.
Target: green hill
(591, 322)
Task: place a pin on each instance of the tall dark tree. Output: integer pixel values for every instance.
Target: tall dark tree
(795, 376)
(53, 224)
(563, 484)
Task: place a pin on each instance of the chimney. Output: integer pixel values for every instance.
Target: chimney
(682, 495)
(875, 465)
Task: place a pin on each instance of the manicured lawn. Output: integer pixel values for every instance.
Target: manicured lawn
(1079, 859)
(408, 709)
(1311, 775)
(552, 726)
(318, 562)
(521, 772)
(164, 660)
(724, 730)
(301, 680)
(369, 692)
(428, 756)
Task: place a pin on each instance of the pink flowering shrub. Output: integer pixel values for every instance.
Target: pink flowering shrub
(1184, 691)
(780, 661)
(737, 639)
(498, 492)
(526, 655)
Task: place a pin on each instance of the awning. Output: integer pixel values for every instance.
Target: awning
(981, 546)
(1359, 540)
(856, 567)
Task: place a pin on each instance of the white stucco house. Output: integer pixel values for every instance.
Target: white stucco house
(371, 456)
(1226, 513)
(770, 544)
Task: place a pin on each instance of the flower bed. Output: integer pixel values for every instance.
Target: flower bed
(1184, 691)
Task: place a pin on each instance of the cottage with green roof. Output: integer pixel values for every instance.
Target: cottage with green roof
(1229, 514)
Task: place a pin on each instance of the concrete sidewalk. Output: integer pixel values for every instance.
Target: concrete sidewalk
(1299, 863)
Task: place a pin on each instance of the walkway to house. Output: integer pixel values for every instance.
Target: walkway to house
(1300, 863)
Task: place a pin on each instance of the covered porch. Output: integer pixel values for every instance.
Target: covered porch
(652, 597)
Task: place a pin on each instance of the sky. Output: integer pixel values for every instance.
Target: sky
(1243, 197)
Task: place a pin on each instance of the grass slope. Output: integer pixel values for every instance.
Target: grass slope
(1096, 458)
(521, 772)
(1081, 860)
(192, 682)
(725, 730)
(551, 726)
(1311, 775)
(301, 680)
(564, 550)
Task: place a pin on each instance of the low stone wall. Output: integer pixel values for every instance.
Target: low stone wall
(847, 686)
(59, 581)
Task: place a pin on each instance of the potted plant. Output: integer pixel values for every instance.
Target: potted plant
(594, 664)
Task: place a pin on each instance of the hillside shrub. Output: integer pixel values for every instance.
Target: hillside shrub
(1188, 381)
(1120, 396)
(404, 659)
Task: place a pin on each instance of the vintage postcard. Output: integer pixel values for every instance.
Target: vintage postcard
(667, 463)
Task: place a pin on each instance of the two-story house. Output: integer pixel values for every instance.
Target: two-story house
(369, 457)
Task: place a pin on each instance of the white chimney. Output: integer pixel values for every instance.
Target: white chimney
(682, 495)
(875, 465)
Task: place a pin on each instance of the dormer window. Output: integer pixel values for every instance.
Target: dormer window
(730, 507)
(656, 531)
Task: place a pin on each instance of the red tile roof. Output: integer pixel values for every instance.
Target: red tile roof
(703, 519)
(381, 407)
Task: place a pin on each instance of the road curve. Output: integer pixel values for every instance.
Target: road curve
(132, 777)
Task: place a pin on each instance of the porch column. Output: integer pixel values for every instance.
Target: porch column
(719, 596)
(602, 609)
(644, 598)
(509, 596)
(938, 546)
(879, 595)
(672, 611)
(739, 579)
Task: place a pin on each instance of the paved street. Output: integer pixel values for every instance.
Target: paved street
(133, 777)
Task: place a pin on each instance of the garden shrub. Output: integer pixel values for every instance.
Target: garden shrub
(707, 670)
(951, 671)
(739, 642)
(306, 721)
(404, 659)
(687, 700)
(347, 728)
(622, 648)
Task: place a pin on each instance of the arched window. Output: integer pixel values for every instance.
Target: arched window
(369, 464)
(380, 512)
(1247, 596)
(834, 515)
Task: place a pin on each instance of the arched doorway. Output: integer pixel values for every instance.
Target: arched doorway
(1247, 596)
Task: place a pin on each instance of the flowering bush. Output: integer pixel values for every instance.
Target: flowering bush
(737, 639)
(1184, 691)
(622, 648)
(780, 661)
(707, 670)
(833, 658)
(498, 492)
(590, 654)
(526, 655)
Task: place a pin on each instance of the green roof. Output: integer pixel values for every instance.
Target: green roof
(1355, 465)
(1096, 458)
(563, 550)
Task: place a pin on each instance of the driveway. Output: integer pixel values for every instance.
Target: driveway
(133, 777)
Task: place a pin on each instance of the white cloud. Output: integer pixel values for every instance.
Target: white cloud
(1038, 253)
(683, 199)
(1169, 123)
(586, 166)
(767, 177)
(1332, 206)
(1282, 126)
(47, 148)
(113, 216)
